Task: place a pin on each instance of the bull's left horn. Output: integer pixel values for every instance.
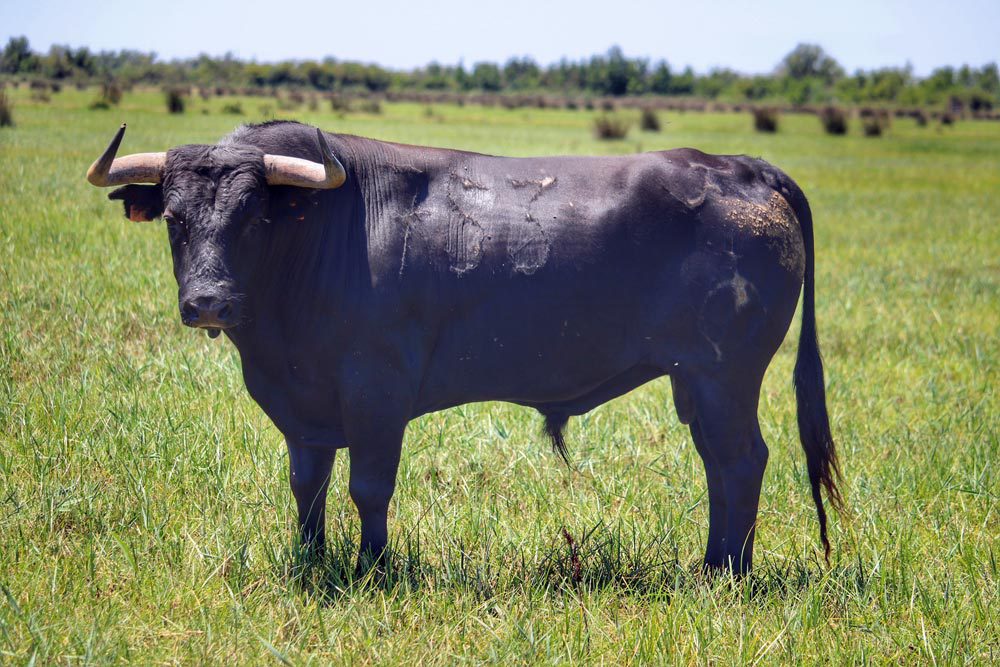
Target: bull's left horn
(284, 170)
(137, 168)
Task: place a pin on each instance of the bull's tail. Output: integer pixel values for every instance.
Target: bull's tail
(810, 391)
(555, 422)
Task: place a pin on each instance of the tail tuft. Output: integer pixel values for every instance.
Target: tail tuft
(554, 425)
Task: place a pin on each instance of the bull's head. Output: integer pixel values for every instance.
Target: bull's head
(210, 197)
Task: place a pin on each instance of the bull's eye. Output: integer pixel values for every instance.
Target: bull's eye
(176, 229)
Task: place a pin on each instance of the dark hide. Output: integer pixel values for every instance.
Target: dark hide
(434, 278)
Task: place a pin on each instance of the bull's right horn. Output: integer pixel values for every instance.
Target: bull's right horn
(285, 170)
(136, 168)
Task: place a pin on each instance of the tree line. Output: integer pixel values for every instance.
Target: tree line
(806, 75)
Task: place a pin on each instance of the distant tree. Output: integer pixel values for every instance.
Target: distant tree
(57, 64)
(683, 83)
(989, 78)
(17, 57)
(521, 74)
(757, 88)
(806, 75)
(486, 76)
(435, 77)
(717, 81)
(659, 80)
(810, 61)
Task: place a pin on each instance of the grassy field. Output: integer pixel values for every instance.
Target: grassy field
(145, 514)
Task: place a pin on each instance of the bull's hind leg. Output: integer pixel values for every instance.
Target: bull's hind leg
(728, 439)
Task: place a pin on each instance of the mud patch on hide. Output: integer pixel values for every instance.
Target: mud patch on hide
(773, 221)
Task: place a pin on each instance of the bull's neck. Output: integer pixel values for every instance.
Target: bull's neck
(387, 177)
(315, 263)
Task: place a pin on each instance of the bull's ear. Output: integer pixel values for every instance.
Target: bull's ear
(142, 202)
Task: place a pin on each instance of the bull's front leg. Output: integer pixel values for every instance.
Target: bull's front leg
(376, 439)
(309, 475)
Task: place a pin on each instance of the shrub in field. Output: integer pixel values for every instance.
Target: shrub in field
(111, 92)
(871, 126)
(920, 117)
(765, 119)
(39, 91)
(234, 108)
(649, 121)
(100, 104)
(610, 127)
(874, 121)
(287, 103)
(834, 120)
(6, 110)
(340, 103)
(175, 100)
(947, 118)
(370, 106)
(313, 104)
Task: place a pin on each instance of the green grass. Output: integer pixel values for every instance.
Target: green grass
(145, 514)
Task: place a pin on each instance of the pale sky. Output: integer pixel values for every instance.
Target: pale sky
(750, 36)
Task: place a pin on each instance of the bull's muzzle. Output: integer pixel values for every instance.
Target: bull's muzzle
(210, 312)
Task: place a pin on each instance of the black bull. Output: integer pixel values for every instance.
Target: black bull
(432, 278)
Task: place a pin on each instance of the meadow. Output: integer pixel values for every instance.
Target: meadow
(145, 514)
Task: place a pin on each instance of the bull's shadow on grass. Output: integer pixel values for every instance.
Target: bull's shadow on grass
(602, 558)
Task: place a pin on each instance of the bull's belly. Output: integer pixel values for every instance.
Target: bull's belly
(556, 354)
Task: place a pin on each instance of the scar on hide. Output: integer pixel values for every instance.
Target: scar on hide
(469, 184)
(715, 346)
(465, 234)
(690, 186)
(716, 318)
(411, 220)
(404, 168)
(528, 247)
(739, 285)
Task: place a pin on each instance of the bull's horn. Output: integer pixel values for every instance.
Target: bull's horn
(137, 168)
(283, 170)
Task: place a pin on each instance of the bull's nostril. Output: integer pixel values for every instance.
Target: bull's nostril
(189, 313)
(225, 312)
